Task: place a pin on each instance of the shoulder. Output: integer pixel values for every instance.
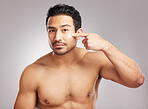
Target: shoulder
(33, 69)
(44, 60)
(96, 57)
(30, 76)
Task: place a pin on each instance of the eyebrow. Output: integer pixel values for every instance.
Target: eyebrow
(65, 25)
(50, 27)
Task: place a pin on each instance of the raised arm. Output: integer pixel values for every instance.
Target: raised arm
(116, 66)
(120, 68)
(26, 98)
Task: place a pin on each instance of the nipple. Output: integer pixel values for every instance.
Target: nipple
(46, 101)
(89, 94)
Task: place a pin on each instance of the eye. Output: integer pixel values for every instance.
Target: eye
(64, 30)
(51, 31)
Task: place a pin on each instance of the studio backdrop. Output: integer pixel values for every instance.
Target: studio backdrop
(23, 39)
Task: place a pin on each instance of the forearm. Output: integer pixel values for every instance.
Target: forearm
(126, 68)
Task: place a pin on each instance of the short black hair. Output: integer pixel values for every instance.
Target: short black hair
(62, 9)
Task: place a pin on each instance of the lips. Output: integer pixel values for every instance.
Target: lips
(58, 45)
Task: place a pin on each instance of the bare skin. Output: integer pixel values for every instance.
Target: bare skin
(69, 77)
(72, 86)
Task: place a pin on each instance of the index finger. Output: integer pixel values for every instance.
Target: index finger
(80, 34)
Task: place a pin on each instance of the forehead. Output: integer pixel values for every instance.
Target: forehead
(60, 20)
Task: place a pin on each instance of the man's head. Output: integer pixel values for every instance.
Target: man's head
(62, 9)
(61, 21)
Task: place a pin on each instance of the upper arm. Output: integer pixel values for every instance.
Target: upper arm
(108, 71)
(26, 98)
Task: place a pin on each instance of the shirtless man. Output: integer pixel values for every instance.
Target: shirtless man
(68, 77)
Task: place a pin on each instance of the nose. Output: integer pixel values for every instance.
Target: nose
(58, 36)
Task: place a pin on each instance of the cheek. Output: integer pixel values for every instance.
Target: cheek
(50, 43)
(69, 36)
(50, 38)
(71, 41)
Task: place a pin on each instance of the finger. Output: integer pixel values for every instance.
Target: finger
(80, 34)
(85, 45)
(84, 41)
(88, 48)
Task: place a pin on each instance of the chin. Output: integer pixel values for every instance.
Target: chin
(62, 51)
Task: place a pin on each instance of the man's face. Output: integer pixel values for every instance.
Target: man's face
(60, 28)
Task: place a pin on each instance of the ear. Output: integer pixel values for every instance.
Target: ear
(80, 30)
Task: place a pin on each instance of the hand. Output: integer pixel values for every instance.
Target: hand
(92, 41)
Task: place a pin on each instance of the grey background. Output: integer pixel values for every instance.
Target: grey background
(23, 39)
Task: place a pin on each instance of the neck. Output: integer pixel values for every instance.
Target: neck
(66, 59)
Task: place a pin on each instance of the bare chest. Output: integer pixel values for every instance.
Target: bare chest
(58, 86)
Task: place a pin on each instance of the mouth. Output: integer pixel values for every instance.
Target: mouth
(59, 45)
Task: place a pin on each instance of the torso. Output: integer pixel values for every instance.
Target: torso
(72, 87)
